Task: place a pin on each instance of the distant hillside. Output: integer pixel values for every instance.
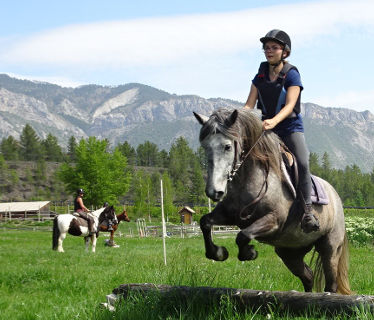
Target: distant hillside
(136, 113)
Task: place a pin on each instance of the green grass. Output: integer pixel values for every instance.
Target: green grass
(38, 283)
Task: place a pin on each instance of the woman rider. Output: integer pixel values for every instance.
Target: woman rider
(81, 209)
(276, 89)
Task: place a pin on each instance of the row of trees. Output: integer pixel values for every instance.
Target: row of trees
(353, 186)
(107, 174)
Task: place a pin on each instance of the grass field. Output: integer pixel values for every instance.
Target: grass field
(38, 283)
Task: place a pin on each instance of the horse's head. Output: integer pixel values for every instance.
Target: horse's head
(220, 149)
(123, 216)
(230, 137)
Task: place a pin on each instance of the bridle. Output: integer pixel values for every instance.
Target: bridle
(237, 164)
(235, 168)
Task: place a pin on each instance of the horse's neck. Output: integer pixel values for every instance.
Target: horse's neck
(121, 217)
(97, 213)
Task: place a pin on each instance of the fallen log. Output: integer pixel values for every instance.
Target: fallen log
(246, 299)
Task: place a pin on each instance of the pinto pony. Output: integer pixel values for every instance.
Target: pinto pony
(104, 226)
(245, 176)
(77, 226)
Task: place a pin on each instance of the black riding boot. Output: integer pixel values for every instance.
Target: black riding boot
(309, 221)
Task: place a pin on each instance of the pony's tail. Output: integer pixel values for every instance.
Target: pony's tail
(56, 233)
(342, 277)
(342, 272)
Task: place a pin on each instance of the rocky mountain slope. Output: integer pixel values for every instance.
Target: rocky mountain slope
(136, 113)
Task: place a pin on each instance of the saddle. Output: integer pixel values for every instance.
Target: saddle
(83, 222)
(289, 170)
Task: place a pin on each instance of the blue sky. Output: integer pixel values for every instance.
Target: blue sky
(207, 48)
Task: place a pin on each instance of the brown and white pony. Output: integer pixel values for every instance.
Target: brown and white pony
(104, 226)
(77, 226)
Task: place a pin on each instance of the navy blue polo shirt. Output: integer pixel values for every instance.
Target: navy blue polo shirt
(288, 125)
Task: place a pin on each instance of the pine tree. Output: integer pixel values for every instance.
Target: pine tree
(10, 148)
(30, 148)
(51, 149)
(147, 154)
(180, 165)
(128, 151)
(72, 145)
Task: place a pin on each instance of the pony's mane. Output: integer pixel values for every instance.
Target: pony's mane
(246, 130)
(97, 212)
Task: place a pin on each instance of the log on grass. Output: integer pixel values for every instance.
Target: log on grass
(287, 301)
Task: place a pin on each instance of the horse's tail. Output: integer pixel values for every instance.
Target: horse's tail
(342, 271)
(56, 233)
(342, 277)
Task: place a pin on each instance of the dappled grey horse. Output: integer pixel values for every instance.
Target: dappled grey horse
(245, 176)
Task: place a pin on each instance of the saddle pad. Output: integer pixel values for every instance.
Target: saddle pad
(319, 195)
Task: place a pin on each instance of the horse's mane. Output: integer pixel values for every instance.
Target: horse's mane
(246, 130)
(97, 212)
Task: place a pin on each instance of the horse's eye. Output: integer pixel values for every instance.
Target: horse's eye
(228, 147)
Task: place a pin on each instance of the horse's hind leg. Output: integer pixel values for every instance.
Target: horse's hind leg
(61, 238)
(330, 255)
(294, 260)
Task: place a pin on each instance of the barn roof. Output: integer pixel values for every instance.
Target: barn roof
(186, 208)
(22, 206)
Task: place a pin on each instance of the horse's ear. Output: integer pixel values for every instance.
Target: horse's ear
(201, 118)
(232, 118)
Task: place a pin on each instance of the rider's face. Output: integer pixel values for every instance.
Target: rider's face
(273, 51)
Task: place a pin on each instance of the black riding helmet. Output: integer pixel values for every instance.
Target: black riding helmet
(280, 37)
(79, 191)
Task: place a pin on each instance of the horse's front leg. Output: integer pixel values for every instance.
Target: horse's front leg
(111, 240)
(259, 228)
(87, 242)
(93, 242)
(217, 217)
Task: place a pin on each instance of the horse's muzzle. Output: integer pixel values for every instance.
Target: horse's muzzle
(215, 195)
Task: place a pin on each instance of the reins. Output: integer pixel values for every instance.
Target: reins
(237, 166)
(264, 186)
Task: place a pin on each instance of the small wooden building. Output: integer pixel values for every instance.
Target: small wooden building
(36, 209)
(186, 215)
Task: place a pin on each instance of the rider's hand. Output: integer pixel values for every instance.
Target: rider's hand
(269, 124)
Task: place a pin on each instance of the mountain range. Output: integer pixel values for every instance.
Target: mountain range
(136, 113)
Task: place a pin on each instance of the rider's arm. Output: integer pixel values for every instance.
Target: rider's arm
(293, 93)
(80, 201)
(252, 97)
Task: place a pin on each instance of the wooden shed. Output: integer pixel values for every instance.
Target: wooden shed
(186, 215)
(35, 209)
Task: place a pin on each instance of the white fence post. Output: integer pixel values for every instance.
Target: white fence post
(163, 222)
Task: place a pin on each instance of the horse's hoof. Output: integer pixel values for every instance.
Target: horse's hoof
(247, 253)
(220, 254)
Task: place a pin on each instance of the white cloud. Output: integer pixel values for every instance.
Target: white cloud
(169, 40)
(61, 81)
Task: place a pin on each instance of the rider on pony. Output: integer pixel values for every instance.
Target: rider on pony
(110, 222)
(82, 211)
(276, 88)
